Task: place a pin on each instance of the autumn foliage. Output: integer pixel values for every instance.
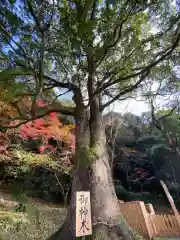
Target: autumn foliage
(49, 127)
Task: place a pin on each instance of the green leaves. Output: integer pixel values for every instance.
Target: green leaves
(9, 86)
(12, 2)
(10, 73)
(12, 20)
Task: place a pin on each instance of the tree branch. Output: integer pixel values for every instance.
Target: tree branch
(24, 94)
(56, 107)
(169, 113)
(24, 54)
(29, 3)
(43, 112)
(117, 31)
(55, 83)
(60, 95)
(125, 91)
(156, 122)
(48, 24)
(146, 69)
(93, 10)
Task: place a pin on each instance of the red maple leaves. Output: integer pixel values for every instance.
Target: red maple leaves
(49, 128)
(45, 129)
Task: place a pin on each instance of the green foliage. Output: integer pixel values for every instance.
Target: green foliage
(11, 73)
(12, 1)
(36, 175)
(141, 159)
(148, 140)
(154, 145)
(159, 148)
(11, 89)
(14, 225)
(122, 193)
(19, 195)
(11, 221)
(30, 159)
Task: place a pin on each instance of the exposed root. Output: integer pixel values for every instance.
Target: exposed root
(100, 232)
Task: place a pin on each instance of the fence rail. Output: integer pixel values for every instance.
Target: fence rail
(166, 225)
(143, 219)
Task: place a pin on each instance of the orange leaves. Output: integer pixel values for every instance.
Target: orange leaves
(48, 128)
(6, 110)
(9, 111)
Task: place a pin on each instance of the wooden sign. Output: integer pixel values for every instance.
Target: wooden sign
(83, 214)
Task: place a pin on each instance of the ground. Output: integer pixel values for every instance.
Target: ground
(44, 219)
(38, 223)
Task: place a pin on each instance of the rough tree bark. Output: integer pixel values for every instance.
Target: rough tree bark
(93, 173)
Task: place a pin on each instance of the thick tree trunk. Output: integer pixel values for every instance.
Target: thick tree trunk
(104, 204)
(95, 176)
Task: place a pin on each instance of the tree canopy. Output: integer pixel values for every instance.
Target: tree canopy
(49, 45)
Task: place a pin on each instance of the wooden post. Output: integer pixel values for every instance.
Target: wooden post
(151, 217)
(146, 219)
(150, 208)
(171, 201)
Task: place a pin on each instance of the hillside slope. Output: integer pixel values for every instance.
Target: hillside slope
(39, 222)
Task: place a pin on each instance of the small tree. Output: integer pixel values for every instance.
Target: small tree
(93, 49)
(161, 124)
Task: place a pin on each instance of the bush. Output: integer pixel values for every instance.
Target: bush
(36, 175)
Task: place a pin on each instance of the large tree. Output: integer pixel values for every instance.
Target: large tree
(98, 50)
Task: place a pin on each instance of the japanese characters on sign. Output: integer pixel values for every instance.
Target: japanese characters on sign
(83, 214)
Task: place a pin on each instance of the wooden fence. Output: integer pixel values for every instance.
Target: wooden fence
(142, 218)
(166, 226)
